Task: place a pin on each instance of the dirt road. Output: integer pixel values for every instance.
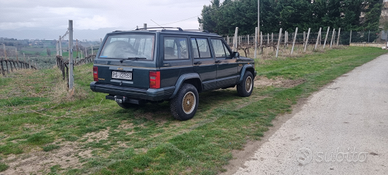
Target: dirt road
(342, 129)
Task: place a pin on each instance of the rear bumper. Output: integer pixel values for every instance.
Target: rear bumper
(134, 93)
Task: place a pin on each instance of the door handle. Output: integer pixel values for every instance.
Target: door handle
(166, 65)
(197, 63)
(218, 61)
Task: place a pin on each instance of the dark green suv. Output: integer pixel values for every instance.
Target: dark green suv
(154, 65)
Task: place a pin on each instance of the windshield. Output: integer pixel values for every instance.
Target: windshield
(129, 46)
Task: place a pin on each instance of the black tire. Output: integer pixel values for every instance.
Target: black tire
(125, 105)
(245, 88)
(184, 105)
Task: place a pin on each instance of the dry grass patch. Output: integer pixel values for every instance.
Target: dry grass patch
(261, 81)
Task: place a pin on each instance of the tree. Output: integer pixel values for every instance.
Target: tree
(289, 14)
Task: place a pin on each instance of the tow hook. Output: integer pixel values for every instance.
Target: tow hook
(119, 100)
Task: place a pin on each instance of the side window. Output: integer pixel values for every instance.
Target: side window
(194, 48)
(201, 48)
(175, 48)
(218, 48)
(227, 52)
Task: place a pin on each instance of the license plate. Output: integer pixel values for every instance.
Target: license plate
(122, 75)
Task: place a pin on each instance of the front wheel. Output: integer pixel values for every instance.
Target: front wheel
(184, 105)
(245, 88)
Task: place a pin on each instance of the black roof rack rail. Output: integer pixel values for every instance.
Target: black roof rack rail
(163, 28)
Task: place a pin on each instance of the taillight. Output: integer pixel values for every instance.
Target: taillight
(155, 79)
(95, 73)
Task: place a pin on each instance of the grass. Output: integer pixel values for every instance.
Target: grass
(101, 138)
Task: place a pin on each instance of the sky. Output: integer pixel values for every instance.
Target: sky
(92, 19)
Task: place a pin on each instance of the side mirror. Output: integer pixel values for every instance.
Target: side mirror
(236, 55)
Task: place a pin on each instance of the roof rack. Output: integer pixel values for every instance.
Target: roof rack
(163, 28)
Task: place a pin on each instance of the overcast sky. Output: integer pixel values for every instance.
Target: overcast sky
(47, 19)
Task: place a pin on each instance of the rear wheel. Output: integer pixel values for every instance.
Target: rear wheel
(184, 105)
(245, 88)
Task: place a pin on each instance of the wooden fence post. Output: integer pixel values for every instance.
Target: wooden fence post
(350, 39)
(293, 43)
(339, 33)
(327, 34)
(255, 54)
(332, 38)
(272, 38)
(60, 45)
(307, 40)
(5, 52)
(280, 37)
(71, 63)
(304, 38)
(319, 35)
(261, 42)
(268, 39)
(57, 47)
(235, 40)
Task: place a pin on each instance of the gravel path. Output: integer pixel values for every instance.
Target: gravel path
(342, 129)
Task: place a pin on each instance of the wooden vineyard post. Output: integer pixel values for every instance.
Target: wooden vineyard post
(307, 40)
(293, 42)
(327, 34)
(57, 47)
(280, 37)
(255, 54)
(261, 42)
(339, 33)
(350, 39)
(60, 46)
(235, 40)
(268, 39)
(71, 63)
(332, 38)
(5, 52)
(319, 35)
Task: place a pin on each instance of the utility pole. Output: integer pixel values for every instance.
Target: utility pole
(258, 18)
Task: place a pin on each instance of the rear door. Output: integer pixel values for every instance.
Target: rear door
(203, 62)
(176, 59)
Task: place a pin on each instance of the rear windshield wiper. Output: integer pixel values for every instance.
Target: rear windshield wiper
(133, 58)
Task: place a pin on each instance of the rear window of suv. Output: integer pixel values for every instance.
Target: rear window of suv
(129, 46)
